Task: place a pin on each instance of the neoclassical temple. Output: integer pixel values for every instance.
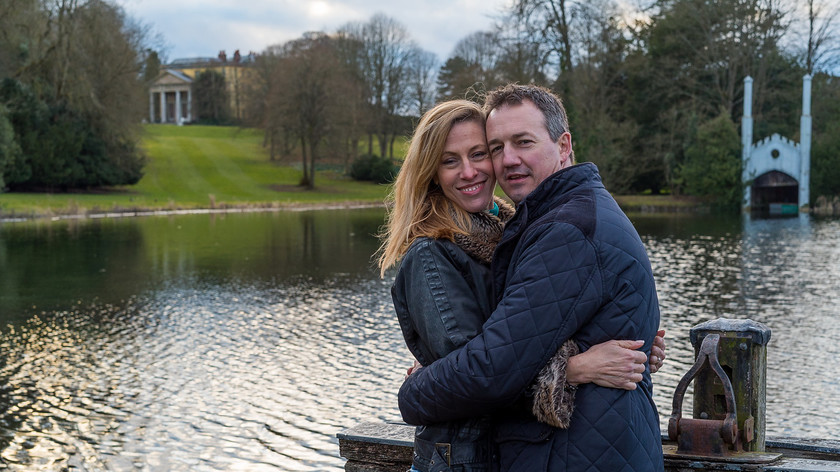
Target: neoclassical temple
(170, 98)
(170, 95)
(776, 170)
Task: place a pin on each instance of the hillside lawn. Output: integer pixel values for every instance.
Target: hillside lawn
(191, 167)
(214, 167)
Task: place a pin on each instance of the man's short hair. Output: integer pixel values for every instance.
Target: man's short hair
(556, 120)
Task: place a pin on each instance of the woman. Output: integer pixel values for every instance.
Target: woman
(443, 226)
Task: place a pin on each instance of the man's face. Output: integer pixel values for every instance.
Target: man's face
(523, 153)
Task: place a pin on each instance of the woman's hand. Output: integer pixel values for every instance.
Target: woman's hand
(413, 369)
(614, 364)
(657, 351)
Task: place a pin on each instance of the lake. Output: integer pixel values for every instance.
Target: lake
(246, 341)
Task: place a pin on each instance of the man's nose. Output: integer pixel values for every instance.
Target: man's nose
(509, 157)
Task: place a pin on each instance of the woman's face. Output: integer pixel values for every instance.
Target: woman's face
(465, 172)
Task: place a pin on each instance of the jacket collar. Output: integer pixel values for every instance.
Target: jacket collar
(554, 190)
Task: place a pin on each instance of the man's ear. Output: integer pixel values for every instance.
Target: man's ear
(565, 146)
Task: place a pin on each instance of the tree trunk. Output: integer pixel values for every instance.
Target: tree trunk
(312, 153)
(305, 180)
(383, 144)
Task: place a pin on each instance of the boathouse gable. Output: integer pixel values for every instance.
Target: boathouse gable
(775, 153)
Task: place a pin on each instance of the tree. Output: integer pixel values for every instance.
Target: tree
(384, 54)
(212, 102)
(304, 86)
(822, 48)
(552, 20)
(690, 62)
(712, 167)
(481, 52)
(9, 149)
(459, 79)
(151, 66)
(77, 66)
(422, 67)
(825, 151)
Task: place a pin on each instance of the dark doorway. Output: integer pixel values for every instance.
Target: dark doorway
(775, 193)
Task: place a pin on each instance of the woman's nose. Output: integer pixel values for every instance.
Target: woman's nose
(469, 171)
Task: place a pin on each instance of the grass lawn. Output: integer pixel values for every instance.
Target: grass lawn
(200, 167)
(192, 167)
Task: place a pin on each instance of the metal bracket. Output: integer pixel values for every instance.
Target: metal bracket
(705, 437)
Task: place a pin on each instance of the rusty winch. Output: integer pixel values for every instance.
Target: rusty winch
(729, 395)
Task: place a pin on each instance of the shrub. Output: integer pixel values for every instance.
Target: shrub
(373, 168)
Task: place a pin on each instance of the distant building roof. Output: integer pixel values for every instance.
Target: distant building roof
(221, 59)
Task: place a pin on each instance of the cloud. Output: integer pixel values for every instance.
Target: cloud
(204, 27)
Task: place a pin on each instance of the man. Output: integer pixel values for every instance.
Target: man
(570, 264)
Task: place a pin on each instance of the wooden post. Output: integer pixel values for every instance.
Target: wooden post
(743, 355)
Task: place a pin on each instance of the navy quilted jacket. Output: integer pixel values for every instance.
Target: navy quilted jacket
(570, 264)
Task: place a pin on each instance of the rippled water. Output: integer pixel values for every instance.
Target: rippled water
(247, 342)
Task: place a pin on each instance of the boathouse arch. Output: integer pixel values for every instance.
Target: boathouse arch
(776, 171)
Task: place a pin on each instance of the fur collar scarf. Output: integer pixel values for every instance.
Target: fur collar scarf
(486, 232)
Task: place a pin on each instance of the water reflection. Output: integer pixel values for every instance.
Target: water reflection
(780, 272)
(245, 342)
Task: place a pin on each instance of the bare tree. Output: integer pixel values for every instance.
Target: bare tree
(473, 67)
(422, 74)
(823, 40)
(384, 56)
(553, 21)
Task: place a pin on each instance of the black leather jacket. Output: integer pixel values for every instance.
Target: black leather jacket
(442, 297)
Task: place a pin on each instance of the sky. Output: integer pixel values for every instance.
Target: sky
(202, 28)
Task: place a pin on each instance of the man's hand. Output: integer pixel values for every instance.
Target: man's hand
(657, 351)
(614, 364)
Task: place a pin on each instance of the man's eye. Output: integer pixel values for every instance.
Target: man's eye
(495, 149)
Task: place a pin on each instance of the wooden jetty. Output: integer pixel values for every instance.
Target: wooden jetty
(387, 447)
(726, 432)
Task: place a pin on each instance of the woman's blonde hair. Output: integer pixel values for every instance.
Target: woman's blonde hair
(417, 206)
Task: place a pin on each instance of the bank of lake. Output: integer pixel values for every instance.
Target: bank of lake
(213, 168)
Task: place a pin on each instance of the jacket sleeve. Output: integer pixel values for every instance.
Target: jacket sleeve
(553, 288)
(442, 309)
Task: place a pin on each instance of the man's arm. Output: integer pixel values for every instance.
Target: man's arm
(553, 290)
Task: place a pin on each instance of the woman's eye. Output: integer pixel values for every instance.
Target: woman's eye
(480, 155)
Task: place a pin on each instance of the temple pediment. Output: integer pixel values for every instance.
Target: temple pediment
(172, 77)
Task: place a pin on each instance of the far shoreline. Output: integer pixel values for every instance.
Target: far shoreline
(222, 209)
(646, 204)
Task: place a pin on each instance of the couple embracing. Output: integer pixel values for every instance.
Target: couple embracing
(535, 327)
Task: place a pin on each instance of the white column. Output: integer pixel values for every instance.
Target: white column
(177, 107)
(189, 105)
(805, 144)
(162, 106)
(746, 140)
